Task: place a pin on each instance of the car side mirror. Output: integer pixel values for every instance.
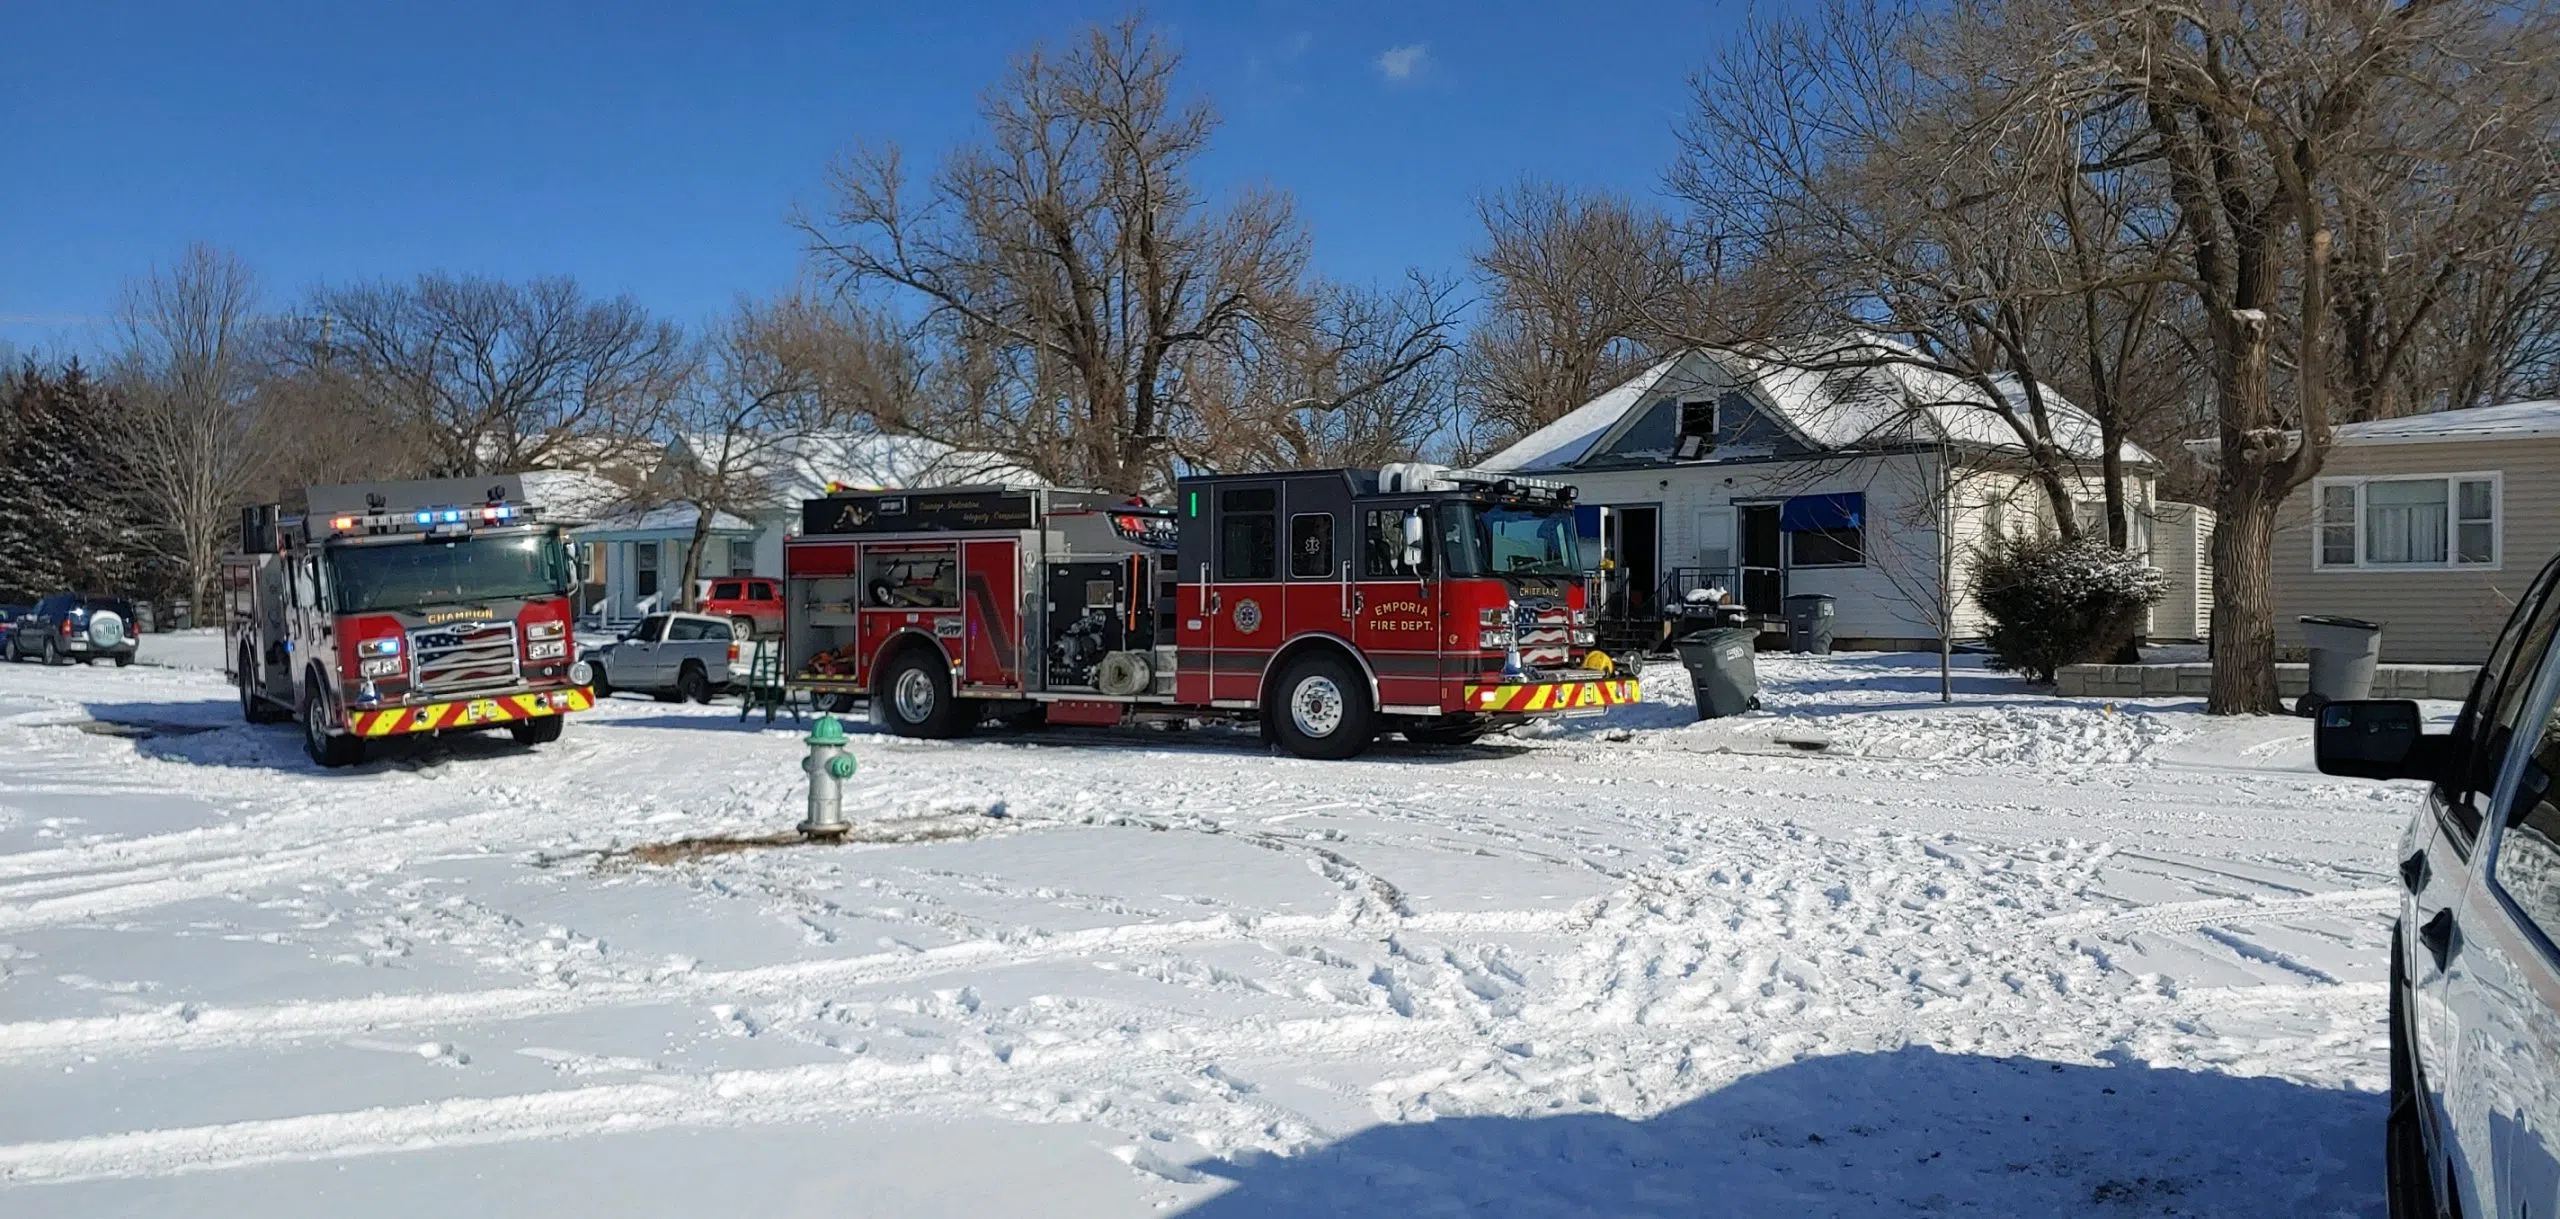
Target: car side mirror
(1413, 541)
(2376, 739)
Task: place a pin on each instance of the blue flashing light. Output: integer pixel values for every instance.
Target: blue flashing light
(426, 518)
(451, 517)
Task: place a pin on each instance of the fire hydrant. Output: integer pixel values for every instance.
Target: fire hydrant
(829, 766)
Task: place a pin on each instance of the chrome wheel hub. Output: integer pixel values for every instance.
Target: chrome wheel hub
(1315, 706)
(914, 696)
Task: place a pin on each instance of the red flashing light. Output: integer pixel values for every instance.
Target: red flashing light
(343, 523)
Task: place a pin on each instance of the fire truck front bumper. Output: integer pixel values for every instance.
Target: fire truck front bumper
(1570, 696)
(489, 712)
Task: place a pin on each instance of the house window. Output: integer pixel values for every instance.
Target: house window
(1311, 545)
(1825, 530)
(742, 556)
(2428, 522)
(1841, 547)
(1697, 436)
(644, 569)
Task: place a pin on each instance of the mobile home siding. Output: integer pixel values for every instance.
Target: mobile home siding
(2428, 617)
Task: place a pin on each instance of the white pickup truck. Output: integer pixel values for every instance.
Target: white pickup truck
(671, 656)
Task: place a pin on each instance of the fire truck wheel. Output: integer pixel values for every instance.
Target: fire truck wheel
(1320, 708)
(541, 731)
(327, 748)
(913, 697)
(692, 684)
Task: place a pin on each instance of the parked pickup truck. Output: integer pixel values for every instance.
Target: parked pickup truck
(671, 656)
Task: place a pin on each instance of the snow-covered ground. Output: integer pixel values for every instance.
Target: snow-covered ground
(2017, 956)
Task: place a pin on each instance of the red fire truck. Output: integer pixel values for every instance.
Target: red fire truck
(399, 608)
(1328, 605)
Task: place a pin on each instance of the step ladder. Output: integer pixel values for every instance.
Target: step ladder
(764, 688)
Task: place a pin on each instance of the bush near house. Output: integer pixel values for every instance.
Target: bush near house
(2054, 603)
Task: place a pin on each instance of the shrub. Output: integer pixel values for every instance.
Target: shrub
(2054, 603)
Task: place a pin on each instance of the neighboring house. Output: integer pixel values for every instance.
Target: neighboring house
(1772, 473)
(636, 557)
(2431, 525)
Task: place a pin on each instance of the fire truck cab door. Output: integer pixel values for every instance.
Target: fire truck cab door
(1399, 629)
(1244, 615)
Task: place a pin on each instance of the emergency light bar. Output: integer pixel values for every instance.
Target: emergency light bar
(432, 520)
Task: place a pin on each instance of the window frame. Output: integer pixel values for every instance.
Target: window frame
(1327, 570)
(2502, 819)
(1795, 564)
(2355, 485)
(1229, 514)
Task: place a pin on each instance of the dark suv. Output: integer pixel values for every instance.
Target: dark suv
(2475, 957)
(66, 627)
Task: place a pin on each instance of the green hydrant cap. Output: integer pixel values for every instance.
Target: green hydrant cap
(841, 766)
(826, 731)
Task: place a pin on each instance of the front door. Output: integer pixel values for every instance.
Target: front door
(1715, 552)
(637, 662)
(1764, 583)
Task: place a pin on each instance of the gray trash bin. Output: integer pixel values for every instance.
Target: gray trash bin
(2343, 654)
(1809, 619)
(1721, 669)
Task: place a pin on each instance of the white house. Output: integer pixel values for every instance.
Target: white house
(634, 557)
(1835, 470)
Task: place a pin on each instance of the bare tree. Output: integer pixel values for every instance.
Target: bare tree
(1060, 276)
(1888, 195)
(188, 448)
(488, 377)
(1575, 283)
(2270, 126)
(1357, 378)
(758, 392)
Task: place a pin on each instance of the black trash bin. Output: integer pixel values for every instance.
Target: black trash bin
(1721, 669)
(2344, 652)
(1809, 618)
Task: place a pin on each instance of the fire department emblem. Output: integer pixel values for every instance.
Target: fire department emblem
(1248, 616)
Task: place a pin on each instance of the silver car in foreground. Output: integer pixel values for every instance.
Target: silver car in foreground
(2475, 959)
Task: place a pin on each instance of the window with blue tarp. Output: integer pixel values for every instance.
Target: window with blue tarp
(1825, 530)
(1839, 510)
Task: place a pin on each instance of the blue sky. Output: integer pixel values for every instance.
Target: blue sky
(657, 149)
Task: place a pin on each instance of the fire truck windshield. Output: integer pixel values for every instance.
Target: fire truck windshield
(437, 571)
(1483, 540)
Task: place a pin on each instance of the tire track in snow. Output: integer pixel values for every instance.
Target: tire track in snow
(188, 1027)
(1007, 1083)
(2206, 912)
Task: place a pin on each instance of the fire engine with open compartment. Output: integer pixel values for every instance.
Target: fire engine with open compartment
(397, 608)
(1328, 605)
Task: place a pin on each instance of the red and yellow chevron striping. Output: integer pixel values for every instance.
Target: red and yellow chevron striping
(1552, 697)
(469, 712)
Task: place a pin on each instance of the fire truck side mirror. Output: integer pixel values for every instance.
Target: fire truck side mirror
(1413, 540)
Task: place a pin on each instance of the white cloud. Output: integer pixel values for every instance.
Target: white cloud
(1402, 63)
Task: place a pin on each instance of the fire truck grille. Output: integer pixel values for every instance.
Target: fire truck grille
(463, 659)
(1545, 637)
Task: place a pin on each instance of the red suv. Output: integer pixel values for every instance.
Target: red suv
(755, 600)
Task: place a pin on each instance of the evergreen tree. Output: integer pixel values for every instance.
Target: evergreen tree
(61, 526)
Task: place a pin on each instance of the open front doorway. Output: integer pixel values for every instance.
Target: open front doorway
(1634, 541)
(1764, 582)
